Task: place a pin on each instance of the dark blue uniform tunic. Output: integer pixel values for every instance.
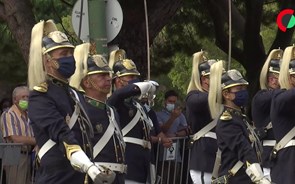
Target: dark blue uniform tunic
(261, 104)
(48, 112)
(283, 120)
(137, 157)
(113, 152)
(198, 116)
(234, 143)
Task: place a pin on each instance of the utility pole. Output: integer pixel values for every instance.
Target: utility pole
(97, 26)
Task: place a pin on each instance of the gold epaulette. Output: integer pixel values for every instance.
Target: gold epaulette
(226, 116)
(43, 87)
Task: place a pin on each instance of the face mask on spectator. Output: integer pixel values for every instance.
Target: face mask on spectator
(23, 104)
(170, 107)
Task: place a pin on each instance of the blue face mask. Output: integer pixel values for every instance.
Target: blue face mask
(170, 107)
(241, 98)
(67, 66)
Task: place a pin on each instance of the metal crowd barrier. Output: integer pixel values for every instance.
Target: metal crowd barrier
(10, 155)
(172, 164)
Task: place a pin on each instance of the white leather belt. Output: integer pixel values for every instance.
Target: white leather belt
(290, 143)
(50, 143)
(122, 168)
(269, 143)
(45, 148)
(209, 134)
(103, 140)
(143, 143)
(273, 142)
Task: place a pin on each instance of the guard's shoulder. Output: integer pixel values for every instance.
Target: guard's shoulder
(43, 87)
(226, 116)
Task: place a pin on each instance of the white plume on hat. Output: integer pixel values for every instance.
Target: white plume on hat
(195, 83)
(36, 72)
(81, 54)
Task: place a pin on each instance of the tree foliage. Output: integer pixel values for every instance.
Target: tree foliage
(190, 26)
(204, 25)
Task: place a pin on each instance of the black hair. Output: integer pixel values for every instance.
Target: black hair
(4, 102)
(170, 93)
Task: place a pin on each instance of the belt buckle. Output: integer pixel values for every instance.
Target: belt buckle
(124, 168)
(147, 145)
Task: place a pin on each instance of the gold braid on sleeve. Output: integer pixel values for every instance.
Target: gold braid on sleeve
(70, 149)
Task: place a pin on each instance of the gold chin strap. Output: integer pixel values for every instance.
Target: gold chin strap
(106, 91)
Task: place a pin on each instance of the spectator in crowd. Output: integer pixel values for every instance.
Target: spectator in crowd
(5, 104)
(16, 129)
(157, 136)
(173, 124)
(171, 119)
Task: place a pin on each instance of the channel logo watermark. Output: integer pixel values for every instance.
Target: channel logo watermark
(286, 19)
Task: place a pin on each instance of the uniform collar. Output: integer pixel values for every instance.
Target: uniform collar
(57, 81)
(95, 103)
(234, 110)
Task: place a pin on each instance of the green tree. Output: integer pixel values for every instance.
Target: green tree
(196, 25)
(20, 16)
(204, 25)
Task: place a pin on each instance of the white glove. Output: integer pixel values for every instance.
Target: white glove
(147, 88)
(153, 88)
(143, 86)
(99, 175)
(254, 171)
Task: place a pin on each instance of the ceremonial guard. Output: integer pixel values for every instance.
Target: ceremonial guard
(57, 117)
(93, 75)
(261, 104)
(203, 140)
(282, 116)
(237, 161)
(157, 136)
(135, 123)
